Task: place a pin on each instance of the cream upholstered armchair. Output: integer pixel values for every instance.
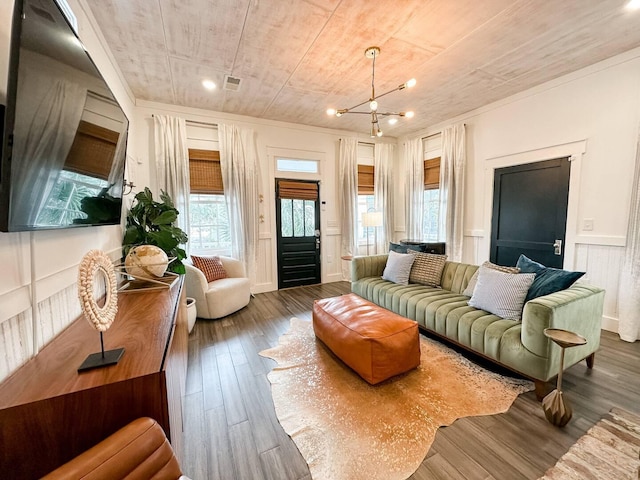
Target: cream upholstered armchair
(221, 297)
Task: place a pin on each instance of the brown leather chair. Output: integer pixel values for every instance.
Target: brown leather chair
(138, 451)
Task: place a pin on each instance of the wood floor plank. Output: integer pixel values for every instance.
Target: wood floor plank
(245, 456)
(211, 385)
(194, 372)
(233, 418)
(264, 433)
(194, 462)
(219, 453)
(465, 465)
(275, 467)
(232, 397)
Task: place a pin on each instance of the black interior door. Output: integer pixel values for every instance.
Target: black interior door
(530, 212)
(298, 227)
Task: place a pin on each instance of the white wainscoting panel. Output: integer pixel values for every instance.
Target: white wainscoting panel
(15, 335)
(266, 276)
(603, 264)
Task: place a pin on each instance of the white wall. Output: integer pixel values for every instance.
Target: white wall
(592, 114)
(55, 254)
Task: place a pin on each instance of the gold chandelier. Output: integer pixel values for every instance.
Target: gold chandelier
(372, 53)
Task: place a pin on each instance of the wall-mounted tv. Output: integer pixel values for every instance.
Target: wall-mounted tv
(65, 135)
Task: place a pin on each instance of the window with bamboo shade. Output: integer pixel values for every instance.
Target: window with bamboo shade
(432, 174)
(92, 151)
(365, 179)
(205, 175)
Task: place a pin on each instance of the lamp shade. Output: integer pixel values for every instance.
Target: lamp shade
(372, 219)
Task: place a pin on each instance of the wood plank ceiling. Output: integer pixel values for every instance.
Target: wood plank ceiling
(297, 58)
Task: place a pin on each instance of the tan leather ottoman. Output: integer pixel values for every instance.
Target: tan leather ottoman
(373, 341)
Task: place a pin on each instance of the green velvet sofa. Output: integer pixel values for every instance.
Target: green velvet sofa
(519, 346)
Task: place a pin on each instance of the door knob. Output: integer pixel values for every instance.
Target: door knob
(557, 247)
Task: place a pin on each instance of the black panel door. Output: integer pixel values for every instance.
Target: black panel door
(530, 212)
(298, 226)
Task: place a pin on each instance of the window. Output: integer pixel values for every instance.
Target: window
(297, 207)
(431, 200)
(296, 165)
(209, 223)
(366, 201)
(208, 217)
(85, 173)
(63, 205)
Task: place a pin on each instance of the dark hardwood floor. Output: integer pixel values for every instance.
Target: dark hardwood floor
(231, 430)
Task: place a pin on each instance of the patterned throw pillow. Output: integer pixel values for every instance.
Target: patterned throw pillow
(427, 269)
(211, 267)
(398, 268)
(474, 278)
(501, 293)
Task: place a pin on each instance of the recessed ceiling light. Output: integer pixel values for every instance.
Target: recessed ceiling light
(633, 5)
(208, 84)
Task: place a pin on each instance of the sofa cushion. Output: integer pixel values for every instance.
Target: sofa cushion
(501, 293)
(211, 267)
(427, 269)
(548, 280)
(398, 267)
(472, 282)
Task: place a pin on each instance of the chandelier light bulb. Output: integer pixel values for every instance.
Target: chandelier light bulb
(379, 133)
(331, 111)
(393, 121)
(409, 114)
(338, 114)
(373, 105)
(411, 83)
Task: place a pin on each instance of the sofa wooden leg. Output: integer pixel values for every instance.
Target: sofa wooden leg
(591, 359)
(540, 389)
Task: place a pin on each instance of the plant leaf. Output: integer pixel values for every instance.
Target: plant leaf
(166, 218)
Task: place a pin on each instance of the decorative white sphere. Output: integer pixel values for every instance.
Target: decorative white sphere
(146, 261)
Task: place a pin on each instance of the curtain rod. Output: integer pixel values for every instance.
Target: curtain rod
(195, 122)
(436, 134)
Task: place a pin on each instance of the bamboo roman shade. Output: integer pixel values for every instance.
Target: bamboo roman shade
(92, 151)
(432, 173)
(205, 175)
(297, 190)
(365, 179)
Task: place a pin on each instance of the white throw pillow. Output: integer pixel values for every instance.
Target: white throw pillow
(398, 267)
(474, 279)
(501, 293)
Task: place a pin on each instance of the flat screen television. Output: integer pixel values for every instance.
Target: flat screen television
(65, 135)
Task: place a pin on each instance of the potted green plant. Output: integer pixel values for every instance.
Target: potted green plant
(152, 223)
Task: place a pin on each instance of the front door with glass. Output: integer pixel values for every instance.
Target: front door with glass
(298, 227)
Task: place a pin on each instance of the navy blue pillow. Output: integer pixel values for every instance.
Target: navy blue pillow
(548, 280)
(396, 247)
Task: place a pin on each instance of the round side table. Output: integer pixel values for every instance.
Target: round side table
(555, 407)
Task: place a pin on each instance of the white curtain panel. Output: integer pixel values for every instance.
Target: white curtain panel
(384, 156)
(172, 163)
(348, 160)
(414, 160)
(46, 146)
(240, 176)
(119, 157)
(452, 167)
(629, 296)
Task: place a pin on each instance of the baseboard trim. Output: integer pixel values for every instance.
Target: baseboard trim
(610, 324)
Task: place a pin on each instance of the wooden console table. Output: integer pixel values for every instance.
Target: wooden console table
(50, 413)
